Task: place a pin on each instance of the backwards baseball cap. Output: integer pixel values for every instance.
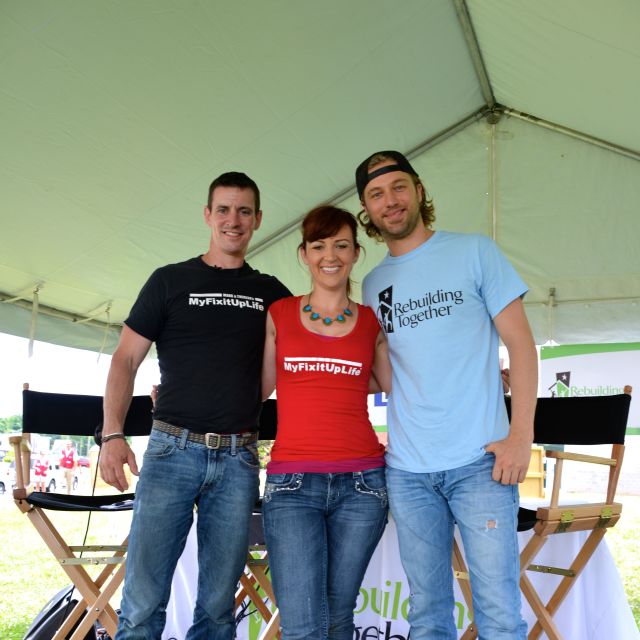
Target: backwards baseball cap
(364, 176)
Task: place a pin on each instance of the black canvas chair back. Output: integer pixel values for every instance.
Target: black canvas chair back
(587, 420)
(78, 415)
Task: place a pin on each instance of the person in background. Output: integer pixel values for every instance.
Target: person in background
(41, 470)
(444, 300)
(68, 463)
(325, 501)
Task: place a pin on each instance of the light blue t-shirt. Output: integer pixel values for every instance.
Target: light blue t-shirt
(436, 305)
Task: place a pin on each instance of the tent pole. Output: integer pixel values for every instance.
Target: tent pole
(493, 182)
(598, 142)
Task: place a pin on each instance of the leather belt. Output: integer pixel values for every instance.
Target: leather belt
(209, 440)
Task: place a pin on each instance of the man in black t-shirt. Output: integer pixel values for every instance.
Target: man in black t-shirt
(207, 318)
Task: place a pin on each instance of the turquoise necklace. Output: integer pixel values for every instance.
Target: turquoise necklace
(314, 315)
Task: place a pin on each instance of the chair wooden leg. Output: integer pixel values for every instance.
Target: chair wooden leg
(70, 621)
(561, 592)
(531, 549)
(272, 629)
(102, 610)
(545, 620)
(94, 602)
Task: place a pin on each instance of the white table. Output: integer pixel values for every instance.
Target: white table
(595, 608)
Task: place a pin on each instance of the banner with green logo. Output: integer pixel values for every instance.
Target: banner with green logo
(592, 370)
(597, 603)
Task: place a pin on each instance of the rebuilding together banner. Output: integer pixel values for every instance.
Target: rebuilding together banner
(592, 370)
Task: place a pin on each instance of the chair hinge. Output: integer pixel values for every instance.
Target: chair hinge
(554, 570)
(605, 516)
(566, 518)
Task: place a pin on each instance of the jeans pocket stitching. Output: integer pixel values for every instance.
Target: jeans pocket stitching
(271, 488)
(159, 448)
(362, 487)
(251, 465)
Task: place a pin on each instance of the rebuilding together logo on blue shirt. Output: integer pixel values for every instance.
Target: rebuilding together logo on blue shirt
(434, 304)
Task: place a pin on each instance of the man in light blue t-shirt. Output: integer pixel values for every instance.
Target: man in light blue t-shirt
(444, 300)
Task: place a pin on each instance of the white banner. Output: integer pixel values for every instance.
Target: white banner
(592, 370)
(595, 608)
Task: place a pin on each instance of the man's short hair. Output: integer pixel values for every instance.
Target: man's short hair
(235, 179)
(364, 175)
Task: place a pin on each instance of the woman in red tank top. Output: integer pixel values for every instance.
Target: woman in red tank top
(325, 502)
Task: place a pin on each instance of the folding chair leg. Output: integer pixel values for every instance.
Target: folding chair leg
(530, 551)
(254, 578)
(253, 594)
(272, 629)
(102, 610)
(545, 620)
(94, 603)
(594, 539)
(70, 620)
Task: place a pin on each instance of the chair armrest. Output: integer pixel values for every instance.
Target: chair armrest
(580, 457)
(22, 455)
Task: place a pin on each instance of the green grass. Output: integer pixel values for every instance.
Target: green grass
(29, 575)
(624, 542)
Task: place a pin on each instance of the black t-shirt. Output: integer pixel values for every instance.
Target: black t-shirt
(209, 327)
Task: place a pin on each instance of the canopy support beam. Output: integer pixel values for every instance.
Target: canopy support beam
(56, 313)
(474, 50)
(572, 133)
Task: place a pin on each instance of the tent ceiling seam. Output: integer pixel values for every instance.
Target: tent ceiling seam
(473, 46)
(439, 137)
(573, 133)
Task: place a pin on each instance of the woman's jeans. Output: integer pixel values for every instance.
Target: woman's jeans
(321, 530)
(177, 474)
(425, 507)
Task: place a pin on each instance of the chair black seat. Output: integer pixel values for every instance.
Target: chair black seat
(526, 519)
(64, 502)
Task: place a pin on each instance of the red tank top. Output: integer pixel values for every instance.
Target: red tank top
(322, 385)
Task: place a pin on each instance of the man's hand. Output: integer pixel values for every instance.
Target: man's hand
(113, 456)
(506, 385)
(512, 459)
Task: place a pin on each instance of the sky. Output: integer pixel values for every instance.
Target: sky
(57, 369)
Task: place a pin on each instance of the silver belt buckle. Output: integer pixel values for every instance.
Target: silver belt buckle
(208, 437)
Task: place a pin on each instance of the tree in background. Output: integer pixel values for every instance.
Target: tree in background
(11, 424)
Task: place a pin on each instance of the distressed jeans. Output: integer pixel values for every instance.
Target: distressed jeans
(321, 530)
(425, 507)
(176, 475)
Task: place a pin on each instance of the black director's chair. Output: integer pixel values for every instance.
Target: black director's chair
(76, 415)
(560, 422)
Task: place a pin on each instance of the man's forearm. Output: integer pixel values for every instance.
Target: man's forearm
(117, 396)
(523, 377)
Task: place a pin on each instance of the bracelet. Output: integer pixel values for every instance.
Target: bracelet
(113, 436)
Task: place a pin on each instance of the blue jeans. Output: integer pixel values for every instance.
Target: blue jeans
(176, 475)
(425, 507)
(321, 530)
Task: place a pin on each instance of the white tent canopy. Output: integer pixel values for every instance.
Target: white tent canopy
(521, 118)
